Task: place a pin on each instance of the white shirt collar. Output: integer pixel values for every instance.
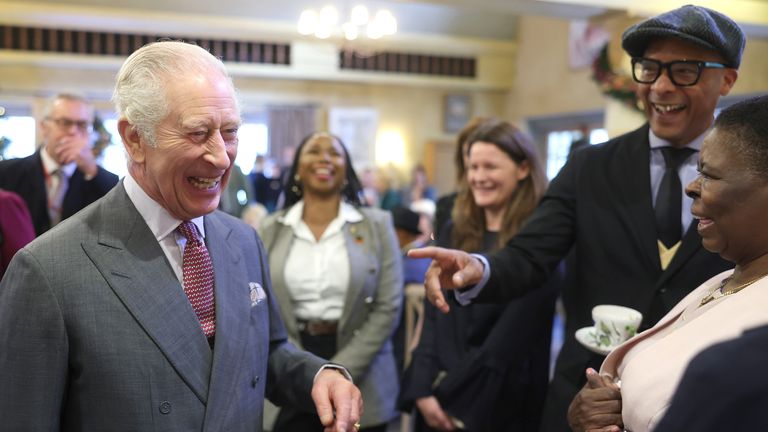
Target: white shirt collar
(160, 222)
(50, 165)
(347, 213)
(657, 142)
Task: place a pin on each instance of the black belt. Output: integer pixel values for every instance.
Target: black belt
(318, 327)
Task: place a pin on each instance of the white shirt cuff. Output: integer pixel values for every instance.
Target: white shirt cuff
(342, 370)
(465, 296)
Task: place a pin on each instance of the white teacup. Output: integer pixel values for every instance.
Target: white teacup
(614, 324)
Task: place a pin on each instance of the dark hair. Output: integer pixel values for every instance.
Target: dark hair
(747, 123)
(352, 191)
(468, 219)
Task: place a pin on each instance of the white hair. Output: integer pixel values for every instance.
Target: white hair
(140, 95)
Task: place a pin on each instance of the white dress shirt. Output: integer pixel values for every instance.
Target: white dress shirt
(50, 166)
(162, 225)
(55, 197)
(317, 271)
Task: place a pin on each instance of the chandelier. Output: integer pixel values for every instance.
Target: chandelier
(324, 23)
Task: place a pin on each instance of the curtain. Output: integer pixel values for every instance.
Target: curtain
(288, 125)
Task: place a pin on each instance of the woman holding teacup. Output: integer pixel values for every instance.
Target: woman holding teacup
(730, 200)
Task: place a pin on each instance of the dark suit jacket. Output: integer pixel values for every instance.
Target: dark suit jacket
(600, 205)
(25, 177)
(487, 364)
(98, 334)
(723, 388)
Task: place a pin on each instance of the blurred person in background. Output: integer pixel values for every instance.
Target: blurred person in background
(62, 176)
(410, 234)
(444, 204)
(337, 275)
(16, 228)
(238, 194)
(485, 367)
(387, 187)
(368, 182)
(419, 188)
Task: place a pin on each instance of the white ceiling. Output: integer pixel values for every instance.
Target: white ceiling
(487, 19)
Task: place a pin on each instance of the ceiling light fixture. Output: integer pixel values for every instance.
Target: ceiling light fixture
(324, 23)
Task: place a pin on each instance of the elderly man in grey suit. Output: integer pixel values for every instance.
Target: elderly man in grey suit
(150, 310)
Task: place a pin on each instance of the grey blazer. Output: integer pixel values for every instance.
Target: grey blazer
(97, 333)
(371, 310)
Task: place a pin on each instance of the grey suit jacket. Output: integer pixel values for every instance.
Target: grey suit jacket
(371, 310)
(97, 333)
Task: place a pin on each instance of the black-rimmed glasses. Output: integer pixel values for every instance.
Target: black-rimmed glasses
(681, 72)
(65, 123)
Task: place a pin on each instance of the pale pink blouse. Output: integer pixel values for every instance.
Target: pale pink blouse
(650, 365)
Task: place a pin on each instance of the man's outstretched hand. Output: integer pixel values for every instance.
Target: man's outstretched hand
(450, 269)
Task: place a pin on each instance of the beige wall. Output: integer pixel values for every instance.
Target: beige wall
(416, 112)
(543, 85)
(544, 82)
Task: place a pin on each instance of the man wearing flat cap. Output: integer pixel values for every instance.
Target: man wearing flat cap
(619, 205)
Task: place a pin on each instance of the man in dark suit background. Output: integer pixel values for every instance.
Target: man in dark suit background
(151, 309)
(62, 176)
(606, 202)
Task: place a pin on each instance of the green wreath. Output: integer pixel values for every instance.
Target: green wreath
(615, 85)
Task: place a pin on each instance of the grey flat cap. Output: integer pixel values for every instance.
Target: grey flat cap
(695, 24)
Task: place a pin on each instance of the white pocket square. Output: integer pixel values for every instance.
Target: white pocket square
(257, 293)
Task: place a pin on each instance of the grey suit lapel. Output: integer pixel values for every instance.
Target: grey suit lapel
(232, 319)
(278, 246)
(358, 240)
(136, 269)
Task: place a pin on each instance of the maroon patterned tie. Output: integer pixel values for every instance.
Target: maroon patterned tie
(197, 271)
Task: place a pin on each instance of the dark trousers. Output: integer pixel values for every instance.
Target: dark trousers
(292, 420)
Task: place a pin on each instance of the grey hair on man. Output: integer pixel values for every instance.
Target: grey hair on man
(140, 95)
(74, 97)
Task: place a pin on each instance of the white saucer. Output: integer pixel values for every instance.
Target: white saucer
(586, 337)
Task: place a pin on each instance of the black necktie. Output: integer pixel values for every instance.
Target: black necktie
(669, 201)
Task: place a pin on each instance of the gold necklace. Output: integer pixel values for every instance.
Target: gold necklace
(712, 295)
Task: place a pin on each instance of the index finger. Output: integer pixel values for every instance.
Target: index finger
(433, 252)
(433, 289)
(343, 414)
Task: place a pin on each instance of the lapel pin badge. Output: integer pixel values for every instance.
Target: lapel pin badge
(257, 293)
